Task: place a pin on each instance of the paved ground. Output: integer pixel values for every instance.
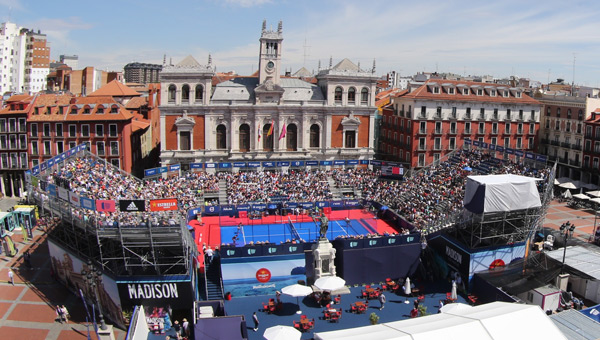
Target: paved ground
(26, 309)
(27, 312)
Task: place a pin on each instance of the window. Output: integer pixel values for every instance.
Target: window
(221, 137)
(87, 110)
(548, 111)
(114, 148)
(73, 110)
(22, 142)
(452, 143)
(453, 114)
(423, 111)
(438, 127)
(556, 125)
(3, 142)
(436, 90)
(579, 128)
(408, 141)
(421, 160)
(350, 139)
(520, 114)
(112, 130)
(520, 128)
(518, 94)
(519, 143)
(22, 125)
(532, 115)
(315, 134)
(185, 92)
(267, 140)
(85, 130)
(422, 144)
(199, 93)
(479, 92)
(451, 90)
(100, 149)
(438, 112)
(46, 130)
(47, 150)
(351, 96)
(437, 143)
(291, 138)
(5, 161)
(530, 143)
(14, 163)
(568, 127)
(72, 130)
(468, 127)
(244, 139)
(59, 129)
(495, 128)
(115, 163)
(481, 128)
(12, 125)
(508, 114)
(99, 130)
(12, 141)
(505, 93)
(468, 113)
(507, 142)
(507, 128)
(493, 93)
(422, 127)
(171, 94)
(558, 112)
(436, 158)
(72, 145)
(453, 128)
(547, 123)
(100, 110)
(60, 147)
(531, 128)
(494, 140)
(465, 92)
(579, 115)
(23, 160)
(337, 97)
(34, 148)
(3, 125)
(364, 96)
(114, 109)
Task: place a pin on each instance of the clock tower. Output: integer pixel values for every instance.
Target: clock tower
(270, 54)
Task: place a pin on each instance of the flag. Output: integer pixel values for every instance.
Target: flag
(283, 132)
(271, 128)
(259, 134)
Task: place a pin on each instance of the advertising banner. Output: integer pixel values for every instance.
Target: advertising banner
(87, 203)
(196, 166)
(105, 205)
(63, 193)
(74, 199)
(132, 205)
(156, 292)
(163, 204)
(261, 275)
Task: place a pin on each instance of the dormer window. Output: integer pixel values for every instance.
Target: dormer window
(479, 92)
(114, 109)
(48, 110)
(505, 94)
(100, 110)
(493, 93)
(86, 110)
(436, 90)
(74, 110)
(451, 90)
(466, 92)
(518, 94)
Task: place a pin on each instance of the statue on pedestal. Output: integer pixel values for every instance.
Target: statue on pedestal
(324, 226)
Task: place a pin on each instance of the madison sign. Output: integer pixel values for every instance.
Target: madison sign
(177, 294)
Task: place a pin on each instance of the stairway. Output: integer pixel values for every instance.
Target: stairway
(223, 192)
(335, 191)
(214, 290)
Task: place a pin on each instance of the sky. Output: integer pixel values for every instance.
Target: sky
(540, 40)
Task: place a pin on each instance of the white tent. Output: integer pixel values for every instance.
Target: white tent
(494, 321)
(498, 193)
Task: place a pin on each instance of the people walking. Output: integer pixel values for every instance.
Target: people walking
(11, 276)
(186, 327)
(27, 259)
(65, 313)
(255, 319)
(60, 313)
(381, 300)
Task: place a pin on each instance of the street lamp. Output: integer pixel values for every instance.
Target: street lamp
(566, 230)
(93, 278)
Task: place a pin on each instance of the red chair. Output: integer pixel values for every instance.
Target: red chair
(421, 298)
(384, 287)
(272, 309)
(312, 323)
(302, 316)
(367, 286)
(265, 307)
(362, 309)
(297, 325)
(326, 315)
(353, 308)
(364, 294)
(337, 299)
(414, 313)
(335, 317)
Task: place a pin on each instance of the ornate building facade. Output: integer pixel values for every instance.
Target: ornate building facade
(266, 116)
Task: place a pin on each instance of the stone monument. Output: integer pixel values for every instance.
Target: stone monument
(323, 252)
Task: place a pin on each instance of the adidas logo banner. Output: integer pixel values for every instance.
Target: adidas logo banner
(132, 205)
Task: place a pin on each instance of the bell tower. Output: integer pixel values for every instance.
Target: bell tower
(269, 64)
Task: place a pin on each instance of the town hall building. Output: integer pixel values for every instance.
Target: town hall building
(267, 116)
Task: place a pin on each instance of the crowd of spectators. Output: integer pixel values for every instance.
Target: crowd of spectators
(428, 198)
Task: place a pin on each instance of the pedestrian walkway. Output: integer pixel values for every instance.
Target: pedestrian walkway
(27, 308)
(583, 219)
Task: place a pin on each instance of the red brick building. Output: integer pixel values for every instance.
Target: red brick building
(422, 125)
(13, 144)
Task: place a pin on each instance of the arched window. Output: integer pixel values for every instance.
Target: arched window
(351, 96)
(199, 92)
(185, 92)
(267, 138)
(172, 91)
(244, 138)
(364, 96)
(291, 137)
(315, 136)
(221, 137)
(338, 95)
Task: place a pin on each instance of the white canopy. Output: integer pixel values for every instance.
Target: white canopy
(581, 197)
(497, 193)
(595, 193)
(494, 321)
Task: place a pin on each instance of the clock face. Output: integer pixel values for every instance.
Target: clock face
(270, 65)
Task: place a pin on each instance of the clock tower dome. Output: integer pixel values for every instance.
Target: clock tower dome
(270, 54)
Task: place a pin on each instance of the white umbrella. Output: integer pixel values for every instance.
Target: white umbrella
(556, 182)
(595, 193)
(581, 197)
(455, 308)
(297, 291)
(453, 295)
(330, 283)
(282, 333)
(567, 194)
(407, 288)
(568, 185)
(595, 200)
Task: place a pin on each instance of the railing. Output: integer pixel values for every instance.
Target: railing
(563, 160)
(574, 162)
(554, 142)
(576, 147)
(565, 145)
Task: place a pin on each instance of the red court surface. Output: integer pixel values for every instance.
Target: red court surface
(4, 306)
(10, 292)
(32, 312)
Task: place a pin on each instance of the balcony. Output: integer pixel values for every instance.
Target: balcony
(467, 132)
(422, 148)
(438, 131)
(574, 162)
(494, 132)
(563, 160)
(588, 135)
(481, 132)
(554, 142)
(576, 147)
(422, 116)
(565, 145)
(519, 132)
(544, 141)
(422, 131)
(453, 131)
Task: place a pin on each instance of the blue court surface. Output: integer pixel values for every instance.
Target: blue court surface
(278, 233)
